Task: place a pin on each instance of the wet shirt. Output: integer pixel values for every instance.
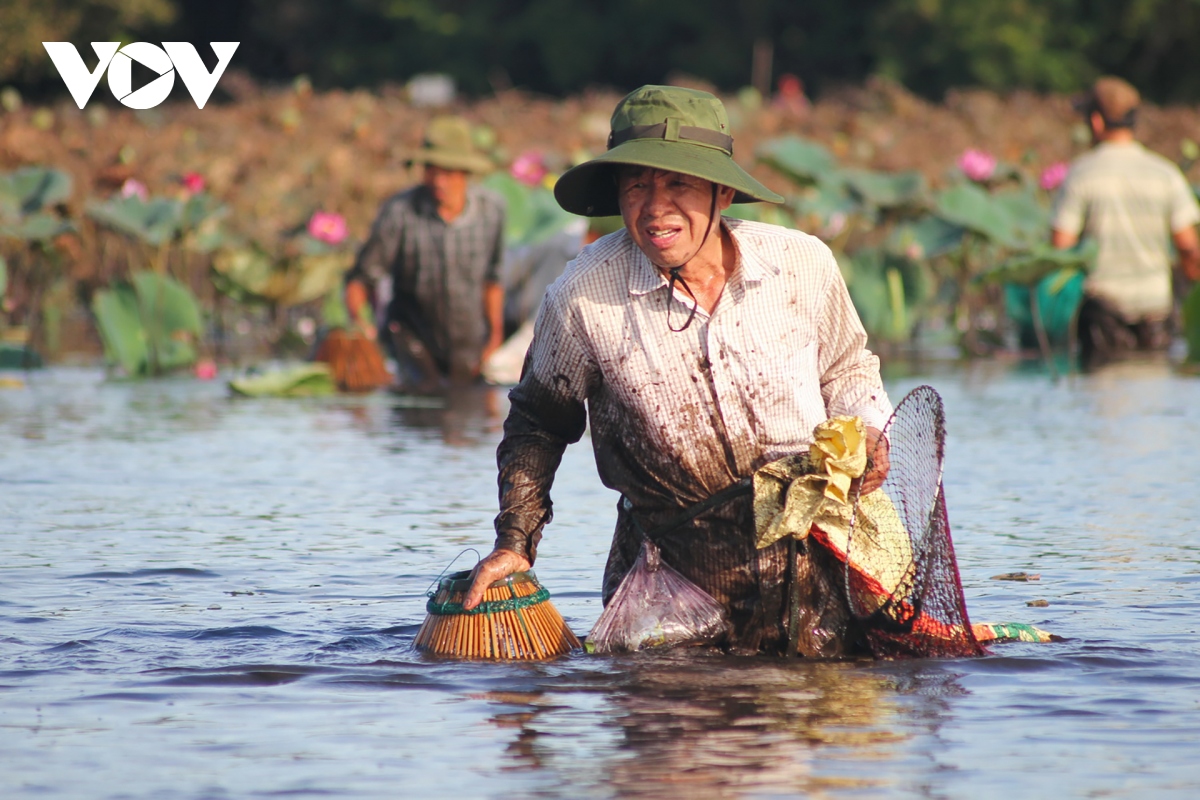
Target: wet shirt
(678, 416)
(1130, 201)
(438, 270)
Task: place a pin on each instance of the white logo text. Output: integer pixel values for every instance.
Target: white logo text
(164, 61)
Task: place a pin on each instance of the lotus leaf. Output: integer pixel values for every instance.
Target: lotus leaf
(804, 161)
(885, 290)
(121, 330)
(155, 221)
(305, 380)
(243, 274)
(201, 216)
(827, 201)
(334, 313)
(1029, 218)
(1031, 266)
(1191, 324)
(518, 213)
(312, 246)
(148, 325)
(314, 277)
(549, 217)
(925, 238)
(769, 213)
(885, 190)
(971, 207)
(167, 304)
(32, 189)
(250, 275)
(532, 215)
(37, 227)
(869, 291)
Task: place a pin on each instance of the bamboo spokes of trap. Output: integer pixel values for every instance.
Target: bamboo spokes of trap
(354, 360)
(514, 622)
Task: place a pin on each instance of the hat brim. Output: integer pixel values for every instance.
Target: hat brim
(590, 189)
(466, 162)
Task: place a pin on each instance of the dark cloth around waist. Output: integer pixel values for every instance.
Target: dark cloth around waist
(716, 551)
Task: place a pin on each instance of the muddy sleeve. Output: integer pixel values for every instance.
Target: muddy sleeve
(546, 414)
(850, 381)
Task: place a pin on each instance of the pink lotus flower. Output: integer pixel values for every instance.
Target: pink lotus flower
(1053, 176)
(327, 226)
(134, 188)
(977, 164)
(193, 182)
(529, 168)
(205, 369)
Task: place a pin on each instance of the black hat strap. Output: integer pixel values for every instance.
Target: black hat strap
(673, 272)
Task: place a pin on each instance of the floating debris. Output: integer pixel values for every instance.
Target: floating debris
(1037, 603)
(1018, 576)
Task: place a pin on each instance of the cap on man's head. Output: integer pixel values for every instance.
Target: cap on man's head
(662, 127)
(1115, 99)
(448, 144)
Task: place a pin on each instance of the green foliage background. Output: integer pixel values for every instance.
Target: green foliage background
(560, 46)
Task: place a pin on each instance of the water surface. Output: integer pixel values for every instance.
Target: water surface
(207, 597)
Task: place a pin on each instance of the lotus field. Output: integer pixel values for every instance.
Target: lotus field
(166, 278)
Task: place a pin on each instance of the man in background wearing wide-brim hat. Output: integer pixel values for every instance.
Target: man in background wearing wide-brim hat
(701, 347)
(432, 261)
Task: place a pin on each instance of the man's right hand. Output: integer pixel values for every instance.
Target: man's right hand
(497, 565)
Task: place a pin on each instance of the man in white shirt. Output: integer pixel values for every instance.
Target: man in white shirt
(1135, 204)
(702, 348)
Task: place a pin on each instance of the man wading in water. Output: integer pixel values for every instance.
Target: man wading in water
(433, 261)
(1136, 205)
(703, 348)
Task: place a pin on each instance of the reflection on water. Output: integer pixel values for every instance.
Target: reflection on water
(465, 416)
(715, 726)
(203, 597)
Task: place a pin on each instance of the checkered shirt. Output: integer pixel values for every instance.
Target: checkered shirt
(676, 417)
(438, 270)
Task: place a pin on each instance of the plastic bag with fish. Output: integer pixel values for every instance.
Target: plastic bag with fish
(655, 606)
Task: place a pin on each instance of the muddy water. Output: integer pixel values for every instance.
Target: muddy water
(203, 597)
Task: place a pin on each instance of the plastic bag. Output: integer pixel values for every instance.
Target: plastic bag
(655, 606)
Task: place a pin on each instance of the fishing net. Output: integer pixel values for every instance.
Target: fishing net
(902, 580)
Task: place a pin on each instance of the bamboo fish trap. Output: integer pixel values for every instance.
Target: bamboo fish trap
(515, 621)
(354, 360)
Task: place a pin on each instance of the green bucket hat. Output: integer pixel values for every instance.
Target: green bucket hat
(448, 144)
(665, 127)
